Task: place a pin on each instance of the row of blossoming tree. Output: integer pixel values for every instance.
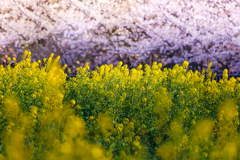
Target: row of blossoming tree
(106, 31)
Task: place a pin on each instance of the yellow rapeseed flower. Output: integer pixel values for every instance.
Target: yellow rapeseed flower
(73, 102)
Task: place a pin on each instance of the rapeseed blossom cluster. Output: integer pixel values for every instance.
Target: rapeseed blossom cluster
(116, 113)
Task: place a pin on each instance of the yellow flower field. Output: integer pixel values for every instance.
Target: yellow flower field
(116, 113)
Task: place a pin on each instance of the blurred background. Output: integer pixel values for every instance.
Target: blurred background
(223, 55)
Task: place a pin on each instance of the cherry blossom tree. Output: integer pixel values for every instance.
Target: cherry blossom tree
(168, 30)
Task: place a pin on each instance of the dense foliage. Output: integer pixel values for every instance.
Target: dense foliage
(114, 113)
(103, 30)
